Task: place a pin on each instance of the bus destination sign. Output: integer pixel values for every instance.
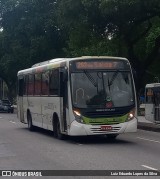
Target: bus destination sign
(99, 65)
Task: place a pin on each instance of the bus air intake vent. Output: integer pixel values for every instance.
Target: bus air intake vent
(102, 114)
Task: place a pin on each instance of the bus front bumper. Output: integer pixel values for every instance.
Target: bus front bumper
(78, 129)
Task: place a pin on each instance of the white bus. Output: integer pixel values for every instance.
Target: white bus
(79, 96)
(152, 102)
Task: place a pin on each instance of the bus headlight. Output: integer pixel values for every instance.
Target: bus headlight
(78, 116)
(131, 115)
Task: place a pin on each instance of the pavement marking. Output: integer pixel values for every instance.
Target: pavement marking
(12, 122)
(149, 140)
(151, 168)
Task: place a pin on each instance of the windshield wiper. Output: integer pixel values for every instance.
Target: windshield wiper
(91, 79)
(113, 78)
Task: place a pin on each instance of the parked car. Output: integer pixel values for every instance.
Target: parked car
(6, 106)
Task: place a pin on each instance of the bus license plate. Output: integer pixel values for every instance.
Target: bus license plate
(106, 128)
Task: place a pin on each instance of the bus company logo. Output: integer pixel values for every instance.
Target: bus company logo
(6, 173)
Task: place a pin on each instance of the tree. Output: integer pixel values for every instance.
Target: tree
(129, 26)
(133, 22)
(29, 35)
(38, 30)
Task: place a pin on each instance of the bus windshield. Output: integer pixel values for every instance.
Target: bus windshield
(101, 89)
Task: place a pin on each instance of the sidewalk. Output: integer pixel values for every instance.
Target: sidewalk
(147, 125)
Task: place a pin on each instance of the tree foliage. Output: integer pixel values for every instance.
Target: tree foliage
(38, 30)
(29, 35)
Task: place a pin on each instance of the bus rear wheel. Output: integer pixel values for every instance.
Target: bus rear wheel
(57, 130)
(30, 125)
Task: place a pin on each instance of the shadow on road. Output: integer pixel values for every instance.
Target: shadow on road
(83, 139)
(97, 140)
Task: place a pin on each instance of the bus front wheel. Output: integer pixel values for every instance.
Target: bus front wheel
(57, 130)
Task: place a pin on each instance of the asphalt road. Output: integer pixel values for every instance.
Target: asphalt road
(21, 149)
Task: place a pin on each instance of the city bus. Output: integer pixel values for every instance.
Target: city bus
(152, 102)
(79, 96)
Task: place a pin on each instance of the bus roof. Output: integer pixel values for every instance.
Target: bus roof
(58, 61)
(152, 85)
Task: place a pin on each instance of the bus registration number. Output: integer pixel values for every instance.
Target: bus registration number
(106, 128)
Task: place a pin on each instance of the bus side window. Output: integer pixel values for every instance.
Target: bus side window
(149, 96)
(25, 85)
(30, 86)
(45, 83)
(54, 82)
(37, 84)
(20, 87)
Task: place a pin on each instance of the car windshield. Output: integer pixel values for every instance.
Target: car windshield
(6, 102)
(102, 89)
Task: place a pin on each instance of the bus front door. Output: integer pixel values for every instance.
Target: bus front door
(20, 99)
(149, 111)
(157, 106)
(149, 105)
(64, 101)
(21, 112)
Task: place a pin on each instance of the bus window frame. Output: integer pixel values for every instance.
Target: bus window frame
(40, 84)
(47, 71)
(146, 96)
(21, 86)
(32, 94)
(58, 90)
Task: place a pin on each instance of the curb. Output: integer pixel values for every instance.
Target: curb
(149, 126)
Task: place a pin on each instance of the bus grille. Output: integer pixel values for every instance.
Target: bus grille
(97, 130)
(102, 114)
(102, 123)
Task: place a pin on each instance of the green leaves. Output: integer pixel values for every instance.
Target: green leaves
(38, 30)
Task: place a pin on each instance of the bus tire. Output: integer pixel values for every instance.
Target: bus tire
(57, 130)
(112, 136)
(29, 119)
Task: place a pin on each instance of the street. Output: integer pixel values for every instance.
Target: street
(21, 149)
